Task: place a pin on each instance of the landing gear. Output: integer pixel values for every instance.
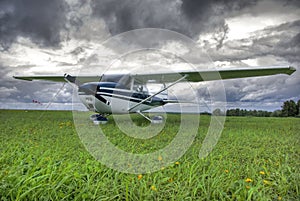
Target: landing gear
(98, 119)
(155, 120)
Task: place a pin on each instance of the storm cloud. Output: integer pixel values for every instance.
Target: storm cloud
(280, 41)
(187, 17)
(60, 35)
(39, 20)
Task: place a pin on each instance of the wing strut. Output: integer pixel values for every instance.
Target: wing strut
(71, 79)
(179, 80)
(139, 112)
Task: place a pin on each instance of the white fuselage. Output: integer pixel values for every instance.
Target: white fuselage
(116, 106)
(106, 98)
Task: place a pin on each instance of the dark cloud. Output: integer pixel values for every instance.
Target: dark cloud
(261, 89)
(24, 91)
(292, 2)
(39, 20)
(295, 41)
(276, 41)
(188, 17)
(266, 93)
(126, 15)
(43, 22)
(205, 9)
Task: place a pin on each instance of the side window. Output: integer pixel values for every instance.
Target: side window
(140, 88)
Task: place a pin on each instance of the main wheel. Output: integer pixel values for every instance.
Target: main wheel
(157, 119)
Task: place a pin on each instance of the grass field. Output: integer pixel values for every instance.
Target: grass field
(43, 159)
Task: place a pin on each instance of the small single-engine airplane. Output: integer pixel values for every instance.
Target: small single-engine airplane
(128, 93)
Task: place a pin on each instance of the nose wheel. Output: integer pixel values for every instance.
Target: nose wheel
(98, 119)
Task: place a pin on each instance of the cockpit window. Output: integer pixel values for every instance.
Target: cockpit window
(123, 81)
(140, 88)
(112, 85)
(88, 88)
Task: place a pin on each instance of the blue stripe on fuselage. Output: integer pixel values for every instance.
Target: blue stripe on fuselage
(133, 97)
(111, 89)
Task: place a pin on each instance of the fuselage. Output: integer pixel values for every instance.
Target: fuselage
(112, 97)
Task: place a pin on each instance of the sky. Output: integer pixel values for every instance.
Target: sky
(41, 37)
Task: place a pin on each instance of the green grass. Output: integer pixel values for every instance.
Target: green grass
(43, 159)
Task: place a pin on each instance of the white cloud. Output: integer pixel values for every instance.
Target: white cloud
(264, 14)
(6, 92)
(176, 48)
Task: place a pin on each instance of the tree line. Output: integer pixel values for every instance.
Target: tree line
(289, 109)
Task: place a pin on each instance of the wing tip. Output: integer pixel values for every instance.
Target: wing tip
(292, 70)
(22, 78)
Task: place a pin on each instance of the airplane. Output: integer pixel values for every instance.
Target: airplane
(127, 93)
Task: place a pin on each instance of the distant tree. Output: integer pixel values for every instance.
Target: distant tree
(260, 113)
(292, 109)
(205, 113)
(289, 109)
(276, 113)
(227, 113)
(268, 114)
(218, 112)
(298, 108)
(230, 112)
(285, 109)
(244, 112)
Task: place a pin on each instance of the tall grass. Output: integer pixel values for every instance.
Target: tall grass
(43, 159)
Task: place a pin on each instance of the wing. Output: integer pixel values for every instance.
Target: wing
(191, 76)
(208, 75)
(64, 78)
(125, 79)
